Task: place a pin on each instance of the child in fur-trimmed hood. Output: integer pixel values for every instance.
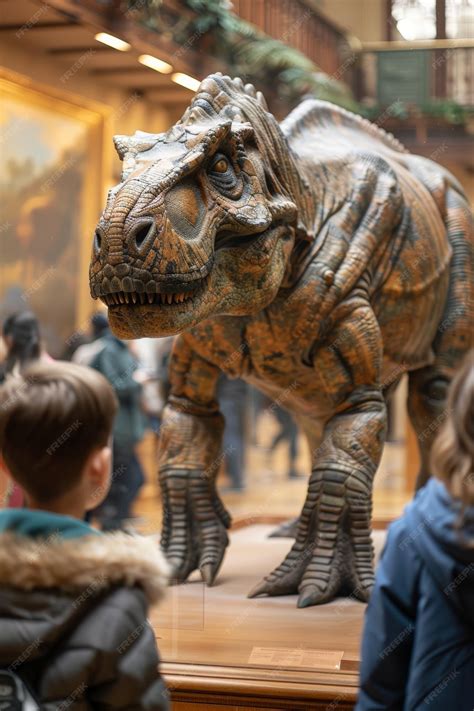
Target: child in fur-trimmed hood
(418, 641)
(73, 601)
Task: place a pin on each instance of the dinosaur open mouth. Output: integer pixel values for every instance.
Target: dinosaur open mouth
(158, 298)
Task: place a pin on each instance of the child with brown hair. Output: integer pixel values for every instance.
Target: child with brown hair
(73, 601)
(418, 642)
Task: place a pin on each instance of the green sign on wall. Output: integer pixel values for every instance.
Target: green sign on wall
(404, 76)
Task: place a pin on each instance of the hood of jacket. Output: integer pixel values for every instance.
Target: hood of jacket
(447, 548)
(54, 568)
(39, 549)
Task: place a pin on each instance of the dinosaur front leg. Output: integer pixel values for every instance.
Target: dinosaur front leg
(194, 518)
(333, 553)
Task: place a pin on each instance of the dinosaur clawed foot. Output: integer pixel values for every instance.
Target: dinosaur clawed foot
(195, 523)
(287, 529)
(318, 573)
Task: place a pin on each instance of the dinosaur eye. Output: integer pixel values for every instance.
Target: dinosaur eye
(224, 178)
(221, 166)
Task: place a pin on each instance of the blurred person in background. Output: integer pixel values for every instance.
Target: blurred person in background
(288, 432)
(86, 352)
(232, 397)
(152, 355)
(22, 344)
(114, 360)
(21, 347)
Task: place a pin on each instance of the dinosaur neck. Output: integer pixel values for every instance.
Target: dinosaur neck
(310, 195)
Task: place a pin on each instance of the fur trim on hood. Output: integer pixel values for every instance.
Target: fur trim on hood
(73, 565)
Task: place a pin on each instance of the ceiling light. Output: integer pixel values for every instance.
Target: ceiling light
(154, 63)
(185, 80)
(112, 41)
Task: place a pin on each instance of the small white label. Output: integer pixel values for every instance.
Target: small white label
(295, 657)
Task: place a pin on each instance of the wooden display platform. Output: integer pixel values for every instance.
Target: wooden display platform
(222, 651)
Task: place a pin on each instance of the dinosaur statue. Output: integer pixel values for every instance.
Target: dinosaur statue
(317, 260)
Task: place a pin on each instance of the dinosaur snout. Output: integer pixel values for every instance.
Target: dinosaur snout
(140, 258)
(114, 242)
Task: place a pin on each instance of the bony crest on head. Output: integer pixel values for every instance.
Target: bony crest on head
(128, 148)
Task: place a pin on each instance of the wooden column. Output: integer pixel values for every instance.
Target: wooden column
(388, 19)
(440, 55)
(440, 19)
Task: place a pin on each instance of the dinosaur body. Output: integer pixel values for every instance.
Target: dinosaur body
(316, 260)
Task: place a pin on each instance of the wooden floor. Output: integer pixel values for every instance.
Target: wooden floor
(215, 641)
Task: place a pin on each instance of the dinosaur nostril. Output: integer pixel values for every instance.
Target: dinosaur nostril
(142, 233)
(97, 240)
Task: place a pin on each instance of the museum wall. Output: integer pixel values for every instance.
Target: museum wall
(43, 257)
(126, 115)
(364, 19)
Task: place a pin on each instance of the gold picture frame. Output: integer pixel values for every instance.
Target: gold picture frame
(53, 165)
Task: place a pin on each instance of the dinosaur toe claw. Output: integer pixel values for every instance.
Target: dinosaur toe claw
(262, 588)
(310, 595)
(208, 573)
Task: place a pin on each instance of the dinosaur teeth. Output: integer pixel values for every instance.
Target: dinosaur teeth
(117, 298)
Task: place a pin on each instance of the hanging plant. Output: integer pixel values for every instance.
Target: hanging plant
(211, 14)
(445, 110)
(272, 65)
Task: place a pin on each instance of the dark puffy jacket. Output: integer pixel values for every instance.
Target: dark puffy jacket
(418, 643)
(73, 613)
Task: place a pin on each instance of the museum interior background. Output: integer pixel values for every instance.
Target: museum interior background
(407, 65)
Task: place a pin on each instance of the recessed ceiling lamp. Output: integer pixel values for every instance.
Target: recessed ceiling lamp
(112, 41)
(185, 80)
(154, 63)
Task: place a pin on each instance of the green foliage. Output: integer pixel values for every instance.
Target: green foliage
(443, 109)
(271, 64)
(449, 110)
(297, 83)
(398, 109)
(212, 15)
(247, 52)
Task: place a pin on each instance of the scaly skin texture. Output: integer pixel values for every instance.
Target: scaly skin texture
(315, 259)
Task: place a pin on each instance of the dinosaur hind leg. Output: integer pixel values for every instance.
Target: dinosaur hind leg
(313, 430)
(454, 337)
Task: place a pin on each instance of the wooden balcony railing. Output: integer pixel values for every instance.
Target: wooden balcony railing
(297, 24)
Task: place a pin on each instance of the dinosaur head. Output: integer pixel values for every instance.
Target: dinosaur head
(203, 222)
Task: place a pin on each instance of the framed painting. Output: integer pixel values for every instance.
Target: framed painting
(52, 186)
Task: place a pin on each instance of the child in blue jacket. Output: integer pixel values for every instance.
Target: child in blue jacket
(418, 641)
